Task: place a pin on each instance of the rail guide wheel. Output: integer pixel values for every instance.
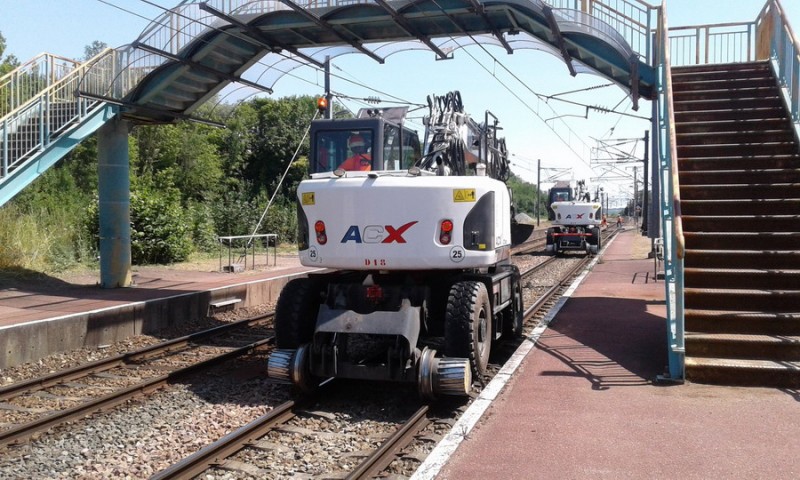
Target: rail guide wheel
(292, 366)
(442, 376)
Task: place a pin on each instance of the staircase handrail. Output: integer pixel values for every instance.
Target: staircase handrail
(630, 18)
(776, 41)
(79, 71)
(62, 91)
(672, 223)
(170, 32)
(13, 95)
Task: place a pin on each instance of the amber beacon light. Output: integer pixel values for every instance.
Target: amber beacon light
(322, 104)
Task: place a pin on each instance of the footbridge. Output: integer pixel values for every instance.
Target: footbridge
(196, 51)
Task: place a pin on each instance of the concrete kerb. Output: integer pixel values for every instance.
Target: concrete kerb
(30, 341)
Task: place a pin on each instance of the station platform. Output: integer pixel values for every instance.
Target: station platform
(46, 315)
(581, 399)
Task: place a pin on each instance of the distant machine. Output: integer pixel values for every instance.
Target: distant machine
(420, 236)
(575, 219)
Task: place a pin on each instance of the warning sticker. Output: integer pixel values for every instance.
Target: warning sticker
(464, 195)
(308, 198)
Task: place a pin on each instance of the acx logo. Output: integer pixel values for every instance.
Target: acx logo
(377, 234)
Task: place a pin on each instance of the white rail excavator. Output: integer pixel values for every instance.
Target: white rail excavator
(575, 220)
(420, 240)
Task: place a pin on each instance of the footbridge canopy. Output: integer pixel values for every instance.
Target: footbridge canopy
(193, 51)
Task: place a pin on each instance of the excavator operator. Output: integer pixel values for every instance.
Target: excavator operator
(361, 159)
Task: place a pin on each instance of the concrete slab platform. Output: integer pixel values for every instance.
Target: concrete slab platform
(584, 403)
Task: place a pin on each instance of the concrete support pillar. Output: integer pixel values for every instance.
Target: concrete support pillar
(114, 192)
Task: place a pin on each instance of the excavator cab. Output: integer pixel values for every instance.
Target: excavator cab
(376, 140)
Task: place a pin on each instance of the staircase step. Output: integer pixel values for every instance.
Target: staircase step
(730, 278)
(774, 206)
(752, 300)
(720, 71)
(745, 176)
(775, 241)
(757, 373)
(731, 91)
(740, 191)
(739, 162)
(760, 136)
(734, 149)
(740, 223)
(714, 115)
(743, 346)
(691, 83)
(771, 259)
(732, 321)
(732, 126)
(728, 103)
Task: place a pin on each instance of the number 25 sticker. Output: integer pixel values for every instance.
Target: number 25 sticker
(456, 254)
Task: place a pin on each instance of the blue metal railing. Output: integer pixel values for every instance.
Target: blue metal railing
(776, 41)
(671, 222)
(45, 107)
(633, 19)
(769, 37)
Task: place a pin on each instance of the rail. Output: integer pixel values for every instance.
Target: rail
(717, 43)
(672, 226)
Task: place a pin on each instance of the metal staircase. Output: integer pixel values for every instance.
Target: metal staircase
(739, 167)
(42, 119)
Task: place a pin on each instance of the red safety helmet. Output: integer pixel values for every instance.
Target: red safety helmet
(356, 141)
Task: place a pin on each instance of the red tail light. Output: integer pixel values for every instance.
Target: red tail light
(319, 228)
(445, 232)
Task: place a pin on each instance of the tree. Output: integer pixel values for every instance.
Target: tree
(186, 152)
(524, 195)
(10, 62)
(92, 50)
(280, 127)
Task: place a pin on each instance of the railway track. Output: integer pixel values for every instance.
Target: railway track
(396, 449)
(226, 453)
(57, 398)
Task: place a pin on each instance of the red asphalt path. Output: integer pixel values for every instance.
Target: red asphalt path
(584, 403)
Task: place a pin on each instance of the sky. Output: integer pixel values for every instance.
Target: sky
(66, 27)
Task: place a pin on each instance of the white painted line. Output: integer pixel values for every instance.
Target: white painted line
(448, 445)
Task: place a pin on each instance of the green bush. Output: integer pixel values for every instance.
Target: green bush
(160, 230)
(160, 226)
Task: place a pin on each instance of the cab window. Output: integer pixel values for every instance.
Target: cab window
(334, 147)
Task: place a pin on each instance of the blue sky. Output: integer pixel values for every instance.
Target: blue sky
(65, 27)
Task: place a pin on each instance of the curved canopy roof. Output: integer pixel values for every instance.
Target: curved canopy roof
(191, 53)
